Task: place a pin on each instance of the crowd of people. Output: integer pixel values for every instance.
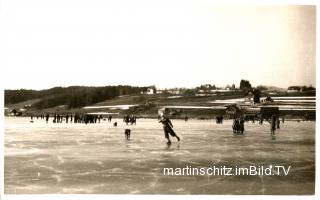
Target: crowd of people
(274, 120)
(72, 118)
(237, 126)
(130, 119)
(219, 119)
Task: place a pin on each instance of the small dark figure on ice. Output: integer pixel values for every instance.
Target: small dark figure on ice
(273, 124)
(238, 126)
(168, 128)
(127, 133)
(47, 118)
(278, 123)
(219, 119)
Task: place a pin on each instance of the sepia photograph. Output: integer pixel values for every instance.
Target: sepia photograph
(158, 98)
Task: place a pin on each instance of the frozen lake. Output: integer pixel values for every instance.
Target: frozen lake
(96, 158)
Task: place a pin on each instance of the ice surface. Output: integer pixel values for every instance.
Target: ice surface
(96, 158)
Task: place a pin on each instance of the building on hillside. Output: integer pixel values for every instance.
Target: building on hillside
(293, 89)
(268, 99)
(150, 90)
(174, 91)
(233, 110)
(248, 98)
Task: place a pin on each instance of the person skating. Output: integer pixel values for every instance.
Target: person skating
(168, 128)
(273, 124)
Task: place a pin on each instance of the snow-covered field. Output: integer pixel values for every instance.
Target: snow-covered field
(96, 158)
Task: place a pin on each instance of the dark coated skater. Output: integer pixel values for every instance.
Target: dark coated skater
(47, 118)
(115, 124)
(278, 123)
(55, 118)
(126, 119)
(127, 133)
(168, 128)
(67, 118)
(241, 125)
(236, 126)
(273, 124)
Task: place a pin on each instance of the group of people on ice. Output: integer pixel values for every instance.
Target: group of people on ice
(238, 124)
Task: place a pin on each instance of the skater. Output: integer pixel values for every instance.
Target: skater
(127, 133)
(241, 125)
(67, 118)
(273, 124)
(47, 118)
(167, 128)
(236, 126)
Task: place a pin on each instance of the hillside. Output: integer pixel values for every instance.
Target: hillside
(71, 97)
(122, 100)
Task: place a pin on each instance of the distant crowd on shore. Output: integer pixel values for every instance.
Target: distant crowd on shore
(81, 118)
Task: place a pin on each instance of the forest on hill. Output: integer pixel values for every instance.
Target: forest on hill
(72, 97)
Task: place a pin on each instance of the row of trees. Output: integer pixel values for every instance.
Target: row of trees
(72, 97)
(246, 87)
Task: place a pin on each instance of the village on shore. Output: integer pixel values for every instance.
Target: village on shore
(204, 102)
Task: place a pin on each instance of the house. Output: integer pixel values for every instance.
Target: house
(234, 110)
(293, 89)
(248, 98)
(268, 99)
(175, 91)
(150, 90)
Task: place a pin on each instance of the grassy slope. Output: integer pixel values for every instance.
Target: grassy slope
(22, 104)
(161, 100)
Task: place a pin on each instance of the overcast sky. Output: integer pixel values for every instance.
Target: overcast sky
(167, 43)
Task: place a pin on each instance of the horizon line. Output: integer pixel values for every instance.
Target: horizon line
(157, 87)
